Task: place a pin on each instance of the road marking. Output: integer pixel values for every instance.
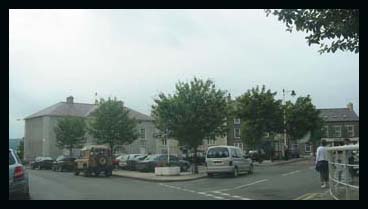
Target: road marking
(303, 196)
(311, 196)
(229, 195)
(208, 194)
(241, 186)
(293, 172)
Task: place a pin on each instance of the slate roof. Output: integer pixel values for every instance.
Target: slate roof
(79, 110)
(338, 114)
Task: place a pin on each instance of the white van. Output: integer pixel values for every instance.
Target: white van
(227, 159)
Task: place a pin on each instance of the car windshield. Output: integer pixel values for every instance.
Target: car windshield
(151, 157)
(60, 158)
(218, 152)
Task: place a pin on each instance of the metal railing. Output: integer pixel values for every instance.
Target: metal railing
(344, 172)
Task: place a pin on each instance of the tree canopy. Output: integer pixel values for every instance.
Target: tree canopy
(196, 110)
(259, 112)
(302, 117)
(110, 124)
(341, 26)
(70, 133)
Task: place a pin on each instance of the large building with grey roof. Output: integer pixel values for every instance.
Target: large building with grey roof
(340, 123)
(40, 139)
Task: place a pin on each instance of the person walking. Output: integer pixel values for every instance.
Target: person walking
(322, 163)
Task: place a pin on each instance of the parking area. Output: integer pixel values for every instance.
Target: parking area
(269, 182)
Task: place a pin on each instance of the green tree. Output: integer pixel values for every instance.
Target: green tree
(110, 124)
(339, 25)
(20, 149)
(70, 133)
(259, 112)
(302, 117)
(317, 133)
(197, 110)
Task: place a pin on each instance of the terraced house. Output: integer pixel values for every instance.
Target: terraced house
(340, 123)
(40, 139)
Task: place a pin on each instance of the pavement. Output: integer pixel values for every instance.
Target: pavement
(297, 180)
(184, 176)
(187, 176)
(281, 162)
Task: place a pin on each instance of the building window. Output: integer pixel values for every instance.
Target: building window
(164, 142)
(350, 130)
(240, 145)
(237, 121)
(142, 133)
(237, 132)
(337, 131)
(210, 141)
(307, 148)
(325, 128)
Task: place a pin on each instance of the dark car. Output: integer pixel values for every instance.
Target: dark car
(132, 161)
(256, 155)
(18, 178)
(294, 153)
(42, 163)
(152, 161)
(63, 163)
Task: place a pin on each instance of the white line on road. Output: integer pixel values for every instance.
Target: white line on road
(256, 182)
(241, 186)
(293, 172)
(229, 195)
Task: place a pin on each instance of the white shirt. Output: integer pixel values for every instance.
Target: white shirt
(321, 154)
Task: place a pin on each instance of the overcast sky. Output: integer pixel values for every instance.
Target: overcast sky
(136, 54)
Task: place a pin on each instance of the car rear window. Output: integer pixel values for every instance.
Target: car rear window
(11, 159)
(218, 152)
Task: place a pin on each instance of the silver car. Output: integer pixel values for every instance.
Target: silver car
(227, 159)
(18, 178)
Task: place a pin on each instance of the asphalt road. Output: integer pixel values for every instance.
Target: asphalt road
(283, 182)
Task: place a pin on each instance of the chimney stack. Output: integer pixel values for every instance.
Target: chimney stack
(69, 100)
(350, 106)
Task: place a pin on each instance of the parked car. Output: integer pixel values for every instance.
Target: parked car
(256, 155)
(158, 160)
(18, 177)
(123, 160)
(132, 161)
(116, 160)
(227, 159)
(42, 163)
(63, 163)
(94, 159)
(294, 153)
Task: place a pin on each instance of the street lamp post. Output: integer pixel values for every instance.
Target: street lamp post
(168, 146)
(283, 94)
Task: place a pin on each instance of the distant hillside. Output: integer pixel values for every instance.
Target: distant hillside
(13, 143)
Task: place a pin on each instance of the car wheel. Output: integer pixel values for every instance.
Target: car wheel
(76, 172)
(210, 175)
(235, 172)
(108, 172)
(86, 173)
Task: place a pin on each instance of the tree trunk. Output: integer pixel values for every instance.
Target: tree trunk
(195, 161)
(71, 151)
